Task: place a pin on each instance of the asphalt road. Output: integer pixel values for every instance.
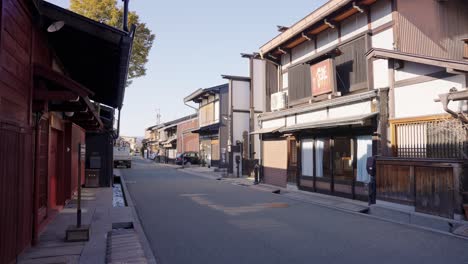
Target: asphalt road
(191, 219)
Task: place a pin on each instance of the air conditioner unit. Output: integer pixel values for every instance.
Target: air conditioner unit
(278, 101)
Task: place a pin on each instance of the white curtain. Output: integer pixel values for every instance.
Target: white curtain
(307, 157)
(319, 145)
(364, 150)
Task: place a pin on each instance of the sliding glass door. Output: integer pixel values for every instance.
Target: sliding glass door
(324, 168)
(336, 165)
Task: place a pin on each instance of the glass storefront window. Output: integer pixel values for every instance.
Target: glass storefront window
(322, 158)
(343, 159)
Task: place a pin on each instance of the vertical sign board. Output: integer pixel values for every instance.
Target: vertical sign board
(82, 152)
(322, 77)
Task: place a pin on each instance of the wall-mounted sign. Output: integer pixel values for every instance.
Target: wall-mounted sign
(82, 150)
(322, 77)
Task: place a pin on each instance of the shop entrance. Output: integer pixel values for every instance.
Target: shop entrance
(336, 165)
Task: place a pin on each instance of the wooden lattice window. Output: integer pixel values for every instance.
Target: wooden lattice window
(442, 138)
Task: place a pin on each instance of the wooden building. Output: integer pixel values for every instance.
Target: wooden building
(224, 122)
(186, 140)
(55, 69)
(356, 79)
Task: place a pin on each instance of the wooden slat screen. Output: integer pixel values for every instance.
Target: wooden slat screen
(271, 83)
(437, 138)
(299, 82)
(351, 71)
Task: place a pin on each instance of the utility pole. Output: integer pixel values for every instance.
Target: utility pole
(158, 116)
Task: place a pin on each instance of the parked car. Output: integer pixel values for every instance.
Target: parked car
(189, 158)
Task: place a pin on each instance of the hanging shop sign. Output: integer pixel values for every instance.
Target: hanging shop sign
(322, 77)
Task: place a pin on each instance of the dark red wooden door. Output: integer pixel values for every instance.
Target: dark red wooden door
(53, 171)
(42, 165)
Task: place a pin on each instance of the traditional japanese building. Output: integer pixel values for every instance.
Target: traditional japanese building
(57, 68)
(224, 123)
(356, 79)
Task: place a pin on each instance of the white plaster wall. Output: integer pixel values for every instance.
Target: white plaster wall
(240, 124)
(353, 25)
(274, 123)
(381, 13)
(290, 120)
(312, 116)
(350, 110)
(383, 40)
(241, 95)
(411, 70)
(258, 82)
(418, 99)
(326, 39)
(302, 51)
(285, 80)
(256, 139)
(380, 70)
(336, 112)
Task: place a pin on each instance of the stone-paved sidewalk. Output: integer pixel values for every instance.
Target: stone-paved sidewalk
(52, 248)
(103, 218)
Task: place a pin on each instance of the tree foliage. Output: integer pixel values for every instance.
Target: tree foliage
(108, 12)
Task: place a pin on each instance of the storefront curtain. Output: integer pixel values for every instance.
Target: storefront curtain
(364, 150)
(307, 157)
(319, 149)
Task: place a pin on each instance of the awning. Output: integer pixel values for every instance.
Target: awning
(267, 130)
(62, 94)
(170, 141)
(94, 54)
(439, 62)
(207, 129)
(332, 122)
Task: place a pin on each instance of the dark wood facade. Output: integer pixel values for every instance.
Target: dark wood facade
(431, 186)
(16, 128)
(432, 28)
(38, 142)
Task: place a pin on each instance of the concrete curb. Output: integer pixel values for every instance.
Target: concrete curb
(342, 210)
(137, 224)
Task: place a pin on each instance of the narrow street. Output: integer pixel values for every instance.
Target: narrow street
(190, 219)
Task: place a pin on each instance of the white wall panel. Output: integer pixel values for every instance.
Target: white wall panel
(381, 13)
(311, 117)
(336, 112)
(353, 26)
(350, 110)
(380, 70)
(258, 83)
(290, 120)
(411, 70)
(240, 124)
(383, 40)
(274, 123)
(418, 99)
(241, 95)
(285, 80)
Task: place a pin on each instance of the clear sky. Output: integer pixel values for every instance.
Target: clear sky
(196, 42)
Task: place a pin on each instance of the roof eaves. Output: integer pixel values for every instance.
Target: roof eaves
(301, 25)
